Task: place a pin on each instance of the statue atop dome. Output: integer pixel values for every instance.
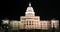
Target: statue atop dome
(29, 4)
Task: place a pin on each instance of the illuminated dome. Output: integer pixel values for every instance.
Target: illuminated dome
(29, 11)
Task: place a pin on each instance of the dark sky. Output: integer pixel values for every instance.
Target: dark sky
(46, 9)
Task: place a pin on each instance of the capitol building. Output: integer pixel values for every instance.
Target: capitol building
(31, 21)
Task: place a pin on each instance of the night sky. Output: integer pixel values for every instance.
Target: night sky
(46, 9)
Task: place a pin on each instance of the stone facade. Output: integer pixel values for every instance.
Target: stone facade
(55, 23)
(14, 24)
(46, 25)
(30, 21)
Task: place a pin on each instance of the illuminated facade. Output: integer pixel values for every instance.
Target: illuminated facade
(55, 23)
(30, 21)
(14, 24)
